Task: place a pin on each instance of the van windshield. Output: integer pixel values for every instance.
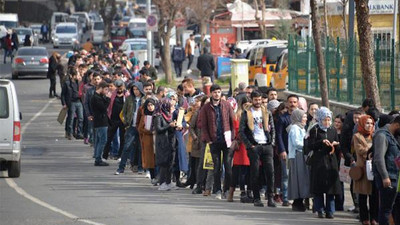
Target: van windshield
(59, 18)
(98, 26)
(3, 103)
(273, 54)
(138, 45)
(66, 30)
(9, 24)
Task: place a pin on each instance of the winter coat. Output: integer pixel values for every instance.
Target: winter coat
(195, 134)
(147, 144)
(99, 104)
(206, 65)
(324, 166)
(165, 140)
(51, 73)
(208, 121)
(178, 54)
(361, 146)
(240, 157)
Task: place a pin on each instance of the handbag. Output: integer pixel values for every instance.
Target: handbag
(309, 158)
(356, 172)
(306, 150)
(344, 172)
(368, 170)
(62, 115)
(235, 145)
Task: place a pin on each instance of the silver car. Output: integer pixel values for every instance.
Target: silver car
(30, 61)
(22, 32)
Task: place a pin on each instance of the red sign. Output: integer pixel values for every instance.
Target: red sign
(220, 37)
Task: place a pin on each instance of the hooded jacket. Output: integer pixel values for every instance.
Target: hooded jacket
(129, 105)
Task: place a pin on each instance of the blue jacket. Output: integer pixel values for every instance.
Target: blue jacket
(282, 135)
(296, 140)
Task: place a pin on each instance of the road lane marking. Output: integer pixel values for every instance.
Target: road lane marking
(36, 116)
(23, 193)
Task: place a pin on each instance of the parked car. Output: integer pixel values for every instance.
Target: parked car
(119, 35)
(97, 32)
(139, 47)
(22, 32)
(66, 34)
(84, 20)
(30, 61)
(263, 58)
(75, 19)
(10, 132)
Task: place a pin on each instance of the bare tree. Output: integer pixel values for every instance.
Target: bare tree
(260, 5)
(367, 52)
(108, 9)
(344, 17)
(60, 5)
(326, 28)
(2, 4)
(168, 10)
(316, 30)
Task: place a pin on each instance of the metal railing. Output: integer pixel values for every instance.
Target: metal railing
(343, 70)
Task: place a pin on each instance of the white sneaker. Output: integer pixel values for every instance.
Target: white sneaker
(164, 187)
(218, 195)
(189, 71)
(148, 174)
(173, 186)
(154, 181)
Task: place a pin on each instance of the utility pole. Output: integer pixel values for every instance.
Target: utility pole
(149, 37)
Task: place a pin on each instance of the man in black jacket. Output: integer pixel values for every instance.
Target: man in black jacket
(71, 100)
(257, 132)
(205, 63)
(99, 104)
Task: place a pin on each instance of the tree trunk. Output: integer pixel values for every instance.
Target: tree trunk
(344, 15)
(326, 20)
(166, 56)
(107, 16)
(316, 29)
(261, 23)
(367, 52)
(2, 6)
(203, 32)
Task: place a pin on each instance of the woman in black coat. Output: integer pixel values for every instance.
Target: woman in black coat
(324, 141)
(54, 61)
(165, 136)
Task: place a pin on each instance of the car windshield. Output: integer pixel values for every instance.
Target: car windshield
(23, 32)
(137, 25)
(118, 32)
(138, 45)
(9, 24)
(273, 53)
(138, 33)
(3, 103)
(66, 29)
(98, 26)
(32, 51)
(126, 19)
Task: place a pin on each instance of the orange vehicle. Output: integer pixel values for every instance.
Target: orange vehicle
(263, 58)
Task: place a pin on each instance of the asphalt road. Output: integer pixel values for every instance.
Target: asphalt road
(60, 185)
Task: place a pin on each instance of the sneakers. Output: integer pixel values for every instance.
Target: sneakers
(207, 193)
(286, 203)
(262, 193)
(173, 186)
(164, 187)
(218, 195)
(197, 191)
(134, 169)
(154, 182)
(141, 171)
(86, 141)
(258, 203)
(148, 174)
(118, 172)
(189, 71)
(79, 137)
(101, 163)
(329, 215)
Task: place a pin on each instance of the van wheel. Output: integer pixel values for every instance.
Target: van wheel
(15, 76)
(14, 169)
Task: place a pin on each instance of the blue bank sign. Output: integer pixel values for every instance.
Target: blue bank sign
(381, 6)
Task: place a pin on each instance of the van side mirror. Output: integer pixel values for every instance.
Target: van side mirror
(271, 68)
(20, 115)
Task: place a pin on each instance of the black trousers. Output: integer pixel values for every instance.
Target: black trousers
(178, 68)
(194, 164)
(52, 85)
(112, 129)
(371, 213)
(240, 176)
(190, 57)
(216, 150)
(265, 154)
(165, 174)
(201, 174)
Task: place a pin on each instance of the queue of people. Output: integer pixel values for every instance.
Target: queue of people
(286, 152)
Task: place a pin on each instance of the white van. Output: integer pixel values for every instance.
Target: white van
(137, 24)
(10, 132)
(56, 18)
(9, 20)
(66, 34)
(97, 32)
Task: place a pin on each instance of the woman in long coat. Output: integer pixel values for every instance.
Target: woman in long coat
(165, 136)
(362, 143)
(54, 61)
(146, 137)
(324, 141)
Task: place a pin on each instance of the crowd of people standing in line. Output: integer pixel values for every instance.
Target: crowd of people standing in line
(288, 152)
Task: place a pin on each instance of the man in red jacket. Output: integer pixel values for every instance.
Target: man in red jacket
(217, 130)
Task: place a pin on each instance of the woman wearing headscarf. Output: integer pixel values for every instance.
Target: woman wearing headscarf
(146, 136)
(362, 143)
(54, 61)
(299, 183)
(27, 41)
(324, 141)
(165, 138)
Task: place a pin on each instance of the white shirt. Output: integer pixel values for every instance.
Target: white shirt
(192, 45)
(259, 135)
(137, 100)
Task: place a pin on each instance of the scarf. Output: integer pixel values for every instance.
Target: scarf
(361, 126)
(321, 114)
(165, 109)
(296, 117)
(146, 103)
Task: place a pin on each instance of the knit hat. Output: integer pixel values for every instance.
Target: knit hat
(273, 104)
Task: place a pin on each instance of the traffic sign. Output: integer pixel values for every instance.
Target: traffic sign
(151, 23)
(180, 22)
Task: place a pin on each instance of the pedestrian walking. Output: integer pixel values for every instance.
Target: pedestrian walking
(178, 56)
(206, 65)
(190, 47)
(54, 62)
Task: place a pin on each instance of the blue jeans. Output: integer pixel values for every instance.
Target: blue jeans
(389, 202)
(7, 53)
(131, 136)
(329, 206)
(100, 142)
(75, 108)
(285, 180)
(115, 144)
(90, 133)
